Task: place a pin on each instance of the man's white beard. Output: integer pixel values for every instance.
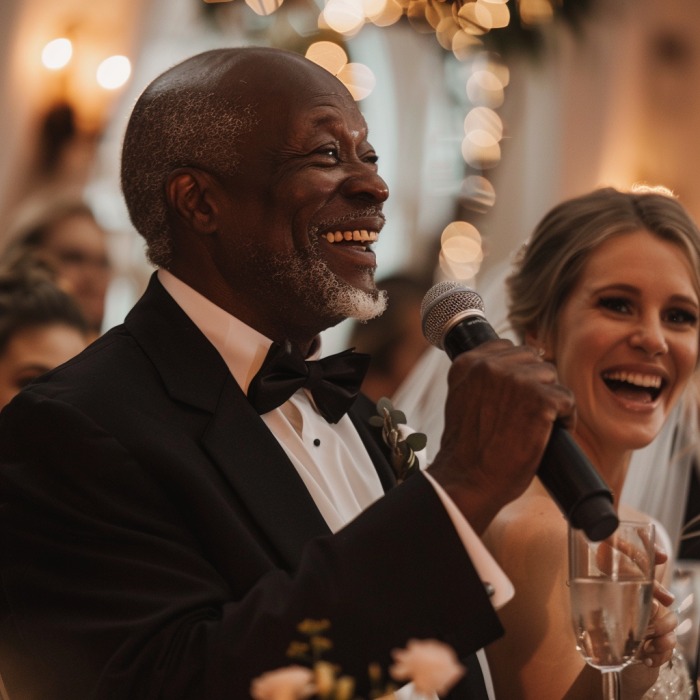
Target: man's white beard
(307, 276)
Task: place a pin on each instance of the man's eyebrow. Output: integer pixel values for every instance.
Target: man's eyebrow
(324, 119)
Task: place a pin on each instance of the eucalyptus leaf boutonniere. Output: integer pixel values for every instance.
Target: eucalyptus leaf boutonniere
(403, 451)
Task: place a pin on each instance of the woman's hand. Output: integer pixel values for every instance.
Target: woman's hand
(659, 642)
(660, 637)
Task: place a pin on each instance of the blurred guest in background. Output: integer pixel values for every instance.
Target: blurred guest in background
(41, 327)
(394, 339)
(63, 234)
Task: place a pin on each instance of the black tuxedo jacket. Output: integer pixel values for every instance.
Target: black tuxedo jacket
(156, 542)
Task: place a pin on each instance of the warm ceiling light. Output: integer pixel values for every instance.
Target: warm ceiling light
(113, 72)
(57, 53)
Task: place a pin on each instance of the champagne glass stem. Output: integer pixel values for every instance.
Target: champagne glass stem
(611, 685)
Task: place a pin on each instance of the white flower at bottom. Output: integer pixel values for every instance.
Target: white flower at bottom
(288, 683)
(431, 665)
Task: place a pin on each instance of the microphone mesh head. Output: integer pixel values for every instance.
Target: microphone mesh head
(441, 304)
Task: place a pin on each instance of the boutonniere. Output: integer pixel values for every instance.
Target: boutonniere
(403, 452)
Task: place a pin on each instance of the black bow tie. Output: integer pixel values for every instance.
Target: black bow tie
(333, 382)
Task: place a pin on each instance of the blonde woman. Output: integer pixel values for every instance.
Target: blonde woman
(608, 291)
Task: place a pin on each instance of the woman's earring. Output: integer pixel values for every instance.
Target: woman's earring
(540, 352)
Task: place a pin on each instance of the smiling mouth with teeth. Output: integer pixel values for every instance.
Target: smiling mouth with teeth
(634, 386)
(351, 236)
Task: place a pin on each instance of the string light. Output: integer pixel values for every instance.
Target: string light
(57, 54)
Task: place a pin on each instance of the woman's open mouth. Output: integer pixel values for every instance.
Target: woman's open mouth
(640, 387)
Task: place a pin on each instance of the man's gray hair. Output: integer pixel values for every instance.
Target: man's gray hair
(170, 128)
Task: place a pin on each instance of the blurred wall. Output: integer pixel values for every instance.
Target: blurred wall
(616, 104)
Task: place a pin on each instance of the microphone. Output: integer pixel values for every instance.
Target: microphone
(453, 320)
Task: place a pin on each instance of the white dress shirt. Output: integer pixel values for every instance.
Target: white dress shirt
(331, 459)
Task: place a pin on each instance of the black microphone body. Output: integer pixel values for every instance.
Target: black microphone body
(565, 471)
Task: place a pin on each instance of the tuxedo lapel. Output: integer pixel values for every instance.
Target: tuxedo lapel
(236, 439)
(371, 437)
(243, 447)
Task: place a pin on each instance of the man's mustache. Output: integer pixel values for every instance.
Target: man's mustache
(373, 211)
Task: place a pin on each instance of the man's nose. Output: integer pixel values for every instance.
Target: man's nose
(649, 336)
(367, 186)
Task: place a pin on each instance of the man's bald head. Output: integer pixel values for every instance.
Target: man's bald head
(195, 114)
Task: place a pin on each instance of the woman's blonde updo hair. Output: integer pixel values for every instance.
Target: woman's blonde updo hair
(549, 266)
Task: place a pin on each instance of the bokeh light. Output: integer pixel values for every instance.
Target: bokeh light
(445, 32)
(461, 251)
(480, 150)
(328, 55)
(113, 72)
(485, 89)
(57, 53)
(474, 18)
(460, 229)
(344, 16)
(492, 63)
(390, 13)
(536, 11)
(484, 119)
(476, 194)
(263, 7)
(358, 79)
(422, 16)
(500, 14)
(464, 44)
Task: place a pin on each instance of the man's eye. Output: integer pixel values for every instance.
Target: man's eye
(681, 317)
(373, 159)
(330, 151)
(618, 304)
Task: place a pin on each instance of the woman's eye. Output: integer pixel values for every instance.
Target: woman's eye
(681, 317)
(617, 304)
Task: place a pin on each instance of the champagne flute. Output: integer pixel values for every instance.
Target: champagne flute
(611, 587)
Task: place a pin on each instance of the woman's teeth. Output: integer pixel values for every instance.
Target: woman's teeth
(362, 236)
(636, 378)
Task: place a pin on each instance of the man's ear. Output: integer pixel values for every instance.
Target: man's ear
(192, 197)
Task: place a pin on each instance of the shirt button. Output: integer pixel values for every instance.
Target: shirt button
(317, 442)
